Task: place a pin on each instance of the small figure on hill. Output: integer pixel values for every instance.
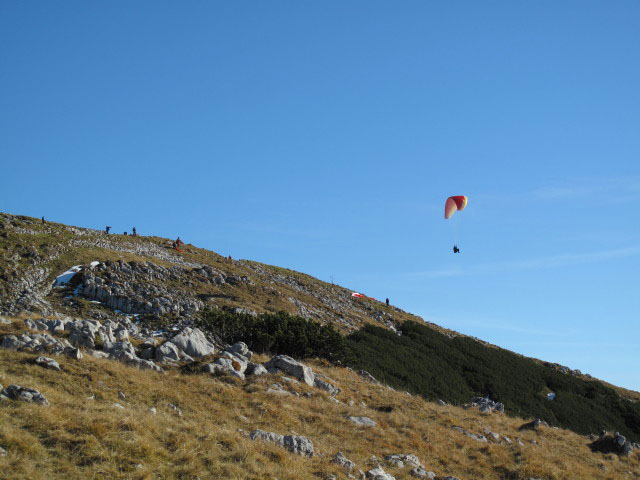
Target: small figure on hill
(456, 249)
(125, 234)
(178, 242)
(387, 302)
(229, 259)
(135, 234)
(106, 229)
(43, 222)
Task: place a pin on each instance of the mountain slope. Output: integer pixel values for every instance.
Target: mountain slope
(135, 293)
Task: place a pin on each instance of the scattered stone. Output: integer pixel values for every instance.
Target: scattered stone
(442, 403)
(17, 392)
(379, 474)
(344, 462)
(486, 405)
(368, 377)
(363, 421)
(175, 409)
(278, 389)
(3, 452)
(122, 396)
(326, 386)
(420, 472)
(4, 321)
(47, 362)
(534, 425)
(153, 410)
(400, 459)
(117, 405)
(294, 443)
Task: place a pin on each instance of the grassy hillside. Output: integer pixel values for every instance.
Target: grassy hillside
(82, 434)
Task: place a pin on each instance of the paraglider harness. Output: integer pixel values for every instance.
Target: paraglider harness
(456, 249)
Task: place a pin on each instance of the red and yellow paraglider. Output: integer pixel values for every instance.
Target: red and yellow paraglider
(452, 205)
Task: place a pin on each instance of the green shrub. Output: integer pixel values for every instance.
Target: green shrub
(425, 361)
(277, 333)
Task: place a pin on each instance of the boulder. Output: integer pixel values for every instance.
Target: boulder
(420, 472)
(326, 386)
(18, 392)
(193, 342)
(118, 350)
(363, 421)
(379, 474)
(534, 425)
(400, 459)
(292, 367)
(242, 349)
(294, 443)
(47, 362)
(12, 342)
(256, 369)
(167, 352)
(344, 462)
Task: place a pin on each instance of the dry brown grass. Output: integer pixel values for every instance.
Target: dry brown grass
(82, 437)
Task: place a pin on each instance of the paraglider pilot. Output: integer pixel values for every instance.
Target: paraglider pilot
(456, 249)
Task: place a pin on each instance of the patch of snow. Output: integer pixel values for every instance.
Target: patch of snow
(95, 263)
(65, 278)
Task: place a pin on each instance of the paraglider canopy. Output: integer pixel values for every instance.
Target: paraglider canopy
(454, 203)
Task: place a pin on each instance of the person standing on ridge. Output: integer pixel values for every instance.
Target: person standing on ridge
(43, 220)
(178, 242)
(387, 302)
(106, 229)
(134, 232)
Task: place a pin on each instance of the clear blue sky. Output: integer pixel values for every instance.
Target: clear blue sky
(326, 136)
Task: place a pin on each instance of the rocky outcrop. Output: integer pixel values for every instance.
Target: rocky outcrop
(139, 287)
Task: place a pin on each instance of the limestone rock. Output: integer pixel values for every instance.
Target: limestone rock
(294, 443)
(420, 472)
(344, 462)
(400, 459)
(167, 352)
(363, 421)
(292, 367)
(379, 474)
(193, 342)
(18, 392)
(47, 362)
